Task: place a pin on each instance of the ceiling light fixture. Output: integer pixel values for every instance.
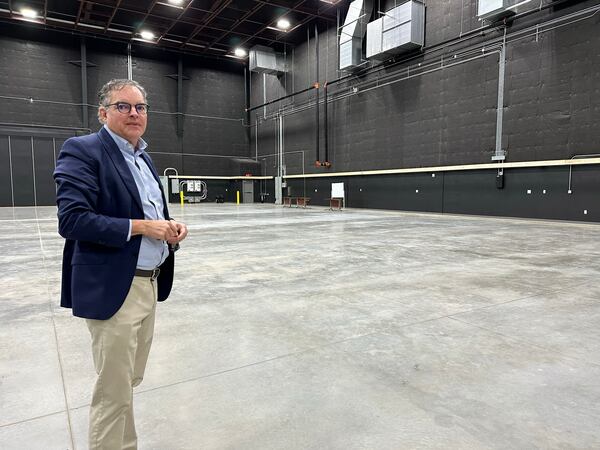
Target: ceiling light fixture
(148, 35)
(176, 2)
(283, 24)
(29, 13)
(240, 52)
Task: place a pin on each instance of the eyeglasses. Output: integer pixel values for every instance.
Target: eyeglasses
(125, 108)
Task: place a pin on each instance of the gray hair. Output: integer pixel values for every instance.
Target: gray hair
(116, 84)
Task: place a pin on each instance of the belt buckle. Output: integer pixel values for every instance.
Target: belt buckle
(155, 274)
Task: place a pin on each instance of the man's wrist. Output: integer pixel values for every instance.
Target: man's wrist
(138, 226)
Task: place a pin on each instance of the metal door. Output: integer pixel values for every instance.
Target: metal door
(248, 191)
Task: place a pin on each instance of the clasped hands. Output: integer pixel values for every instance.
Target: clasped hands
(165, 230)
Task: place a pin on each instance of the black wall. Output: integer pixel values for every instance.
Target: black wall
(447, 117)
(45, 66)
(540, 193)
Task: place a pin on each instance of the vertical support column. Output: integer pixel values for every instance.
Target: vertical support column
(84, 87)
(256, 137)
(279, 177)
(180, 97)
(326, 125)
(264, 95)
(247, 102)
(499, 155)
(33, 173)
(129, 63)
(317, 120)
(12, 179)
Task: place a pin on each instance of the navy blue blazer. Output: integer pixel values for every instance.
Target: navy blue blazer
(96, 197)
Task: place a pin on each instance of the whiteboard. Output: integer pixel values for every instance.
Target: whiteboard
(337, 190)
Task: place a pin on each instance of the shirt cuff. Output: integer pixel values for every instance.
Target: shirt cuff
(129, 233)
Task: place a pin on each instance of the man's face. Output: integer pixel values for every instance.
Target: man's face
(130, 126)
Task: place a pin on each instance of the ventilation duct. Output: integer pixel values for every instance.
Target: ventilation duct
(265, 60)
(353, 32)
(401, 29)
(494, 10)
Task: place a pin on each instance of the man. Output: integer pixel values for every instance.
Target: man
(119, 253)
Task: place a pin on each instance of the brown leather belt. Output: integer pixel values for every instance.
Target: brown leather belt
(153, 274)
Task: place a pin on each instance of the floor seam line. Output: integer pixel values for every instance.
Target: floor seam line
(30, 419)
(288, 355)
(56, 340)
(525, 341)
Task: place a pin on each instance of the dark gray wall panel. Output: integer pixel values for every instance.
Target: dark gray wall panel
(45, 190)
(213, 89)
(162, 161)
(213, 92)
(29, 72)
(540, 192)
(110, 61)
(204, 165)
(5, 175)
(553, 94)
(475, 193)
(215, 137)
(410, 192)
(22, 165)
(161, 132)
(551, 104)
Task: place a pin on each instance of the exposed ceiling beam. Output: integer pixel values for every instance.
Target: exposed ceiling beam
(148, 13)
(304, 21)
(112, 16)
(296, 9)
(150, 8)
(217, 8)
(81, 3)
(175, 21)
(235, 25)
(264, 27)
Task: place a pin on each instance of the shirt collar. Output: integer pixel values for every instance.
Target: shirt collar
(124, 144)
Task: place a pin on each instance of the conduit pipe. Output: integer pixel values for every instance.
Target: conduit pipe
(317, 160)
(326, 125)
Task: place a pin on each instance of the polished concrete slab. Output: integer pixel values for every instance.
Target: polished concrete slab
(293, 328)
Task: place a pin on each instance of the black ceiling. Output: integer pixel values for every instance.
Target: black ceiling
(198, 26)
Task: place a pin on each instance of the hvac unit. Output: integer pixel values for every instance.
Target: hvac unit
(494, 10)
(353, 32)
(401, 29)
(265, 60)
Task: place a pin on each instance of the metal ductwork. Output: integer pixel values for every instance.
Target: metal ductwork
(352, 33)
(401, 29)
(494, 10)
(264, 59)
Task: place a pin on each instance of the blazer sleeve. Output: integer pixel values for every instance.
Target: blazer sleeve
(77, 198)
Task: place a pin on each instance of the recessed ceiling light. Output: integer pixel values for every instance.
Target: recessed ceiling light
(283, 24)
(29, 13)
(240, 52)
(148, 35)
(176, 2)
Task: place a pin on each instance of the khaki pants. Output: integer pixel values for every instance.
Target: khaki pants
(120, 346)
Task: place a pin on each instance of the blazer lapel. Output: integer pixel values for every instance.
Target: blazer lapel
(119, 161)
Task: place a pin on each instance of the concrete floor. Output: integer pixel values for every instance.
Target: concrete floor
(311, 329)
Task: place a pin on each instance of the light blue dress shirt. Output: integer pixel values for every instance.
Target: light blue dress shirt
(153, 252)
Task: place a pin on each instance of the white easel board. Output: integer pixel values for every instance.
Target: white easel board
(337, 190)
